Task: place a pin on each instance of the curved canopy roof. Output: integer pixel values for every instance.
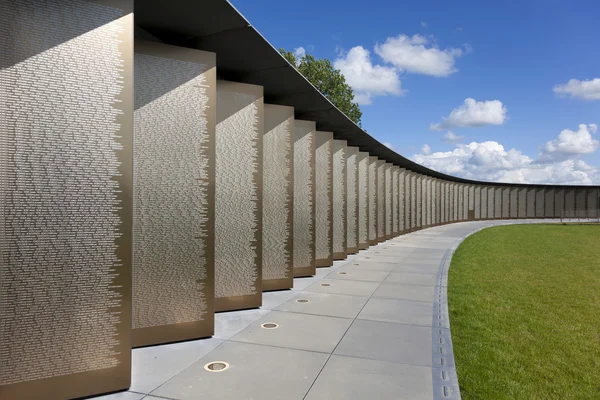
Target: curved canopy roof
(244, 55)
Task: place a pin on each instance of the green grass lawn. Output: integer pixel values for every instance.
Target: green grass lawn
(524, 305)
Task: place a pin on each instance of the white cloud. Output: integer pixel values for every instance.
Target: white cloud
(490, 161)
(415, 54)
(473, 114)
(389, 145)
(367, 80)
(586, 90)
(299, 53)
(569, 143)
(423, 24)
(450, 137)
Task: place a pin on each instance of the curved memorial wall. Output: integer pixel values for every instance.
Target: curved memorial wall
(130, 220)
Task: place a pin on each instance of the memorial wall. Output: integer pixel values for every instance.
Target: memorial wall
(372, 195)
(278, 196)
(173, 212)
(129, 220)
(323, 199)
(66, 130)
(352, 193)
(238, 196)
(339, 205)
(363, 200)
(304, 198)
(381, 184)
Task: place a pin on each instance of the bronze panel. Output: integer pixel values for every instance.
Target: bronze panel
(549, 203)
(304, 198)
(559, 202)
(238, 196)
(363, 200)
(173, 202)
(373, 214)
(395, 200)
(540, 198)
(278, 195)
(380, 200)
(324, 199)
(65, 246)
(339, 199)
(352, 200)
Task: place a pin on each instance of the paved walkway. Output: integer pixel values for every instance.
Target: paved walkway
(374, 326)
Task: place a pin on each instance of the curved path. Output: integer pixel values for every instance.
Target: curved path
(374, 326)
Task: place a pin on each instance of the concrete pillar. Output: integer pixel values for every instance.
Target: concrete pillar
(340, 192)
(324, 199)
(363, 200)
(352, 200)
(304, 198)
(278, 196)
(83, 136)
(238, 196)
(173, 201)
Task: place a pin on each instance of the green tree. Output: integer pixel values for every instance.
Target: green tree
(328, 80)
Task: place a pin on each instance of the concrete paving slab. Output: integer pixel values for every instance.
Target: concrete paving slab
(418, 268)
(270, 300)
(370, 265)
(297, 331)
(153, 366)
(339, 286)
(398, 311)
(384, 341)
(121, 396)
(255, 372)
(402, 291)
(229, 323)
(412, 278)
(353, 274)
(327, 304)
(348, 378)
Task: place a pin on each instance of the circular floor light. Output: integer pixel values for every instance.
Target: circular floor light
(216, 366)
(269, 325)
(302, 301)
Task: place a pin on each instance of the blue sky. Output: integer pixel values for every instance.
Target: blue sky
(513, 58)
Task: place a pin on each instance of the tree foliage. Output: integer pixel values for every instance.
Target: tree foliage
(328, 80)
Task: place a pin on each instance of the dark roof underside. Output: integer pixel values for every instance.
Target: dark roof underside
(243, 55)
